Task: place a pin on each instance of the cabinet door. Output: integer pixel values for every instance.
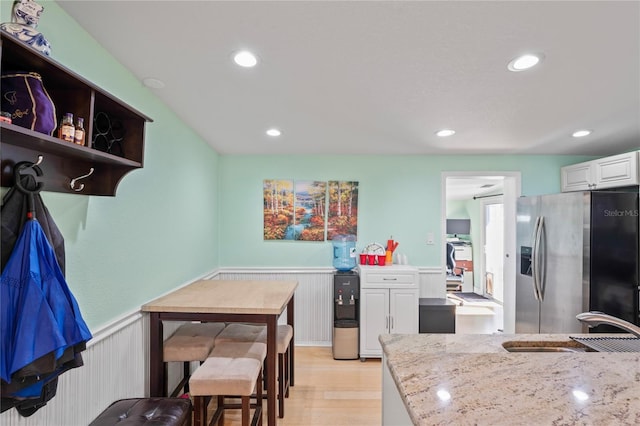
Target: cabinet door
(616, 171)
(404, 311)
(374, 320)
(577, 177)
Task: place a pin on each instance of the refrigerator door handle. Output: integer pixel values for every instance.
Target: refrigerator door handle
(534, 250)
(535, 261)
(542, 263)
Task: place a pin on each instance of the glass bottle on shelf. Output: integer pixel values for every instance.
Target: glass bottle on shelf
(67, 130)
(78, 136)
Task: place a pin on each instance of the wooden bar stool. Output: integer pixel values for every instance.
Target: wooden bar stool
(233, 369)
(238, 332)
(190, 342)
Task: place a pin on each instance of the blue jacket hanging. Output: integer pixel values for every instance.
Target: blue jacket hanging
(42, 331)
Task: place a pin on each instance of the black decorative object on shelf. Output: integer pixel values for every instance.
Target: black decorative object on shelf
(108, 135)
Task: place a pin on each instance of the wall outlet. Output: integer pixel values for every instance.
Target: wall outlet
(430, 239)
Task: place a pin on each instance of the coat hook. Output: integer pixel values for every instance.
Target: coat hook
(72, 184)
(24, 165)
(27, 165)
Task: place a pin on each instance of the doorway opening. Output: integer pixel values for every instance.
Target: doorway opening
(488, 201)
(493, 243)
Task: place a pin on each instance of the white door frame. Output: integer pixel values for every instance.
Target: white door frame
(488, 200)
(512, 190)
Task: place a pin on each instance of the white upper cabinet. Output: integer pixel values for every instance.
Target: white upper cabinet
(610, 172)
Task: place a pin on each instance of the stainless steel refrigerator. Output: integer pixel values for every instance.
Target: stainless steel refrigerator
(576, 252)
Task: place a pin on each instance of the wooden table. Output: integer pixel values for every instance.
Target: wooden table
(228, 301)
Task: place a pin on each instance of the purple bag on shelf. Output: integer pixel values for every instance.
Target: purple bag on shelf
(26, 99)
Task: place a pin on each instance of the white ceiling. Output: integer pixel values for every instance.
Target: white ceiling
(380, 77)
(468, 187)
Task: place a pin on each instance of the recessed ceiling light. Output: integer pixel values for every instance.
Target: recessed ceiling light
(246, 59)
(581, 133)
(445, 132)
(153, 83)
(525, 62)
(274, 132)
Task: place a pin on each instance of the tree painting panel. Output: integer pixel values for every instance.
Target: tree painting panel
(278, 208)
(343, 209)
(310, 208)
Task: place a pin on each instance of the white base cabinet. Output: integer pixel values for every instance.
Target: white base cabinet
(388, 304)
(394, 412)
(616, 171)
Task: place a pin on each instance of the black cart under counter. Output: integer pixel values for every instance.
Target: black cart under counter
(437, 315)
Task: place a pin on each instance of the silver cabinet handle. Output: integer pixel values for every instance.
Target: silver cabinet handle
(392, 326)
(389, 279)
(386, 322)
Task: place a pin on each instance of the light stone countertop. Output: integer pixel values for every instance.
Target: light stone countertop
(490, 386)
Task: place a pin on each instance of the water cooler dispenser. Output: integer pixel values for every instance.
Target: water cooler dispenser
(344, 252)
(346, 292)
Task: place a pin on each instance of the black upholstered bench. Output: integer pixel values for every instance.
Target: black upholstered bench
(146, 411)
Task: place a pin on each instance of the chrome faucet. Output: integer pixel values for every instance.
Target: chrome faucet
(595, 318)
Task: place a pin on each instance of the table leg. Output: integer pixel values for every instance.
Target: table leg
(290, 320)
(272, 378)
(156, 367)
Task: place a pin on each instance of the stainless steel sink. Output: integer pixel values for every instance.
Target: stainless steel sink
(544, 346)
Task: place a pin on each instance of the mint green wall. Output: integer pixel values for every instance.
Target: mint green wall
(160, 229)
(399, 196)
(189, 210)
(457, 209)
(474, 213)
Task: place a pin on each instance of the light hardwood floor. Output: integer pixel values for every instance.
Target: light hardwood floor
(329, 392)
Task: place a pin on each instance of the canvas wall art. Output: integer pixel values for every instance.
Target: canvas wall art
(305, 211)
(343, 208)
(294, 210)
(310, 197)
(278, 208)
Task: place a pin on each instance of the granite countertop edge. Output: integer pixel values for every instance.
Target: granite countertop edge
(486, 384)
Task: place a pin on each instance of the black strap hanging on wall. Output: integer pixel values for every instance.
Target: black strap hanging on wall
(15, 207)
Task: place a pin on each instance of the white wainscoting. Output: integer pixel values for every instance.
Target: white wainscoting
(314, 296)
(432, 282)
(113, 368)
(116, 359)
(313, 299)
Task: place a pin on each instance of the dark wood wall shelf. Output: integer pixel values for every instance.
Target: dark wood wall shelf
(64, 161)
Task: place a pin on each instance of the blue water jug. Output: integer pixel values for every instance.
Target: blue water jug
(344, 252)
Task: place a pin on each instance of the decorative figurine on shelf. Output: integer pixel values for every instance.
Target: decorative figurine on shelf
(26, 14)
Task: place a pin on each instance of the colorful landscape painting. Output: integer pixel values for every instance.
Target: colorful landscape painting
(343, 209)
(278, 208)
(294, 211)
(310, 203)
